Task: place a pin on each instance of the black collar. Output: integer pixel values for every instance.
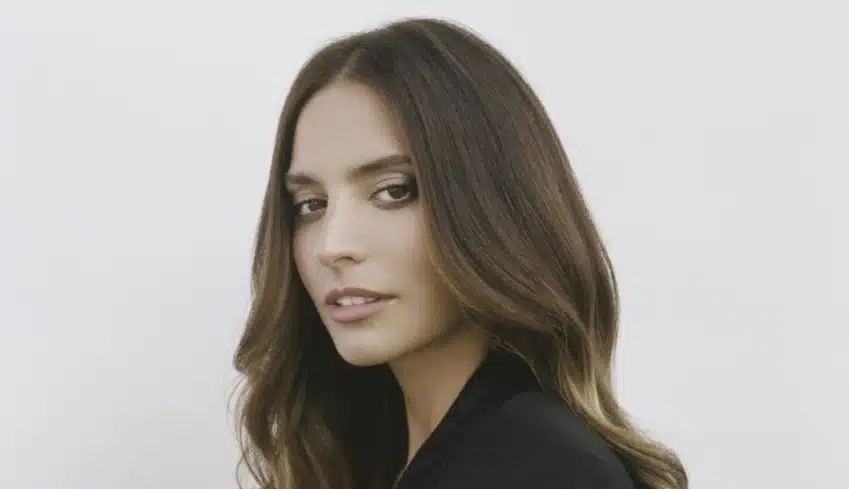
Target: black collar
(500, 377)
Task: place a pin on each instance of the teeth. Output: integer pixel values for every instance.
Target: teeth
(354, 301)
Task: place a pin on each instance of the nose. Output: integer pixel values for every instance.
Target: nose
(340, 243)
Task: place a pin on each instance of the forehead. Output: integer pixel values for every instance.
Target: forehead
(343, 125)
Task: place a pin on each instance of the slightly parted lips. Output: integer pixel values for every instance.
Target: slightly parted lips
(337, 294)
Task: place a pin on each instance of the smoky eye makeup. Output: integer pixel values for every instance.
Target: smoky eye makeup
(388, 192)
(396, 189)
(306, 207)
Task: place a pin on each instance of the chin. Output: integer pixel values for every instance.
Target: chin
(363, 358)
(368, 352)
(362, 354)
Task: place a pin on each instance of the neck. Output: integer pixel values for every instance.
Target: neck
(432, 378)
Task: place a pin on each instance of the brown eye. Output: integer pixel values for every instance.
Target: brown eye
(307, 207)
(395, 193)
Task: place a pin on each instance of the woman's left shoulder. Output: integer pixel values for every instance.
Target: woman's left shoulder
(535, 441)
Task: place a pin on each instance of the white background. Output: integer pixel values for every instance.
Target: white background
(136, 137)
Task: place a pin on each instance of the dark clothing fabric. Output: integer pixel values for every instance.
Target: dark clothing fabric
(504, 432)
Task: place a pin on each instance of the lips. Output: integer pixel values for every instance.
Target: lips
(352, 293)
(353, 304)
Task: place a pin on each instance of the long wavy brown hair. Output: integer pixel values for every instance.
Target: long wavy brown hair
(511, 235)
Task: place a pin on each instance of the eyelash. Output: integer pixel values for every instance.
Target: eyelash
(409, 187)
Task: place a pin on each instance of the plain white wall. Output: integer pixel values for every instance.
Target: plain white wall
(711, 142)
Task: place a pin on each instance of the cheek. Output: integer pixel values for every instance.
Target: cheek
(411, 230)
(301, 258)
(433, 292)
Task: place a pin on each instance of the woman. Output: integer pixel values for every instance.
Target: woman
(432, 303)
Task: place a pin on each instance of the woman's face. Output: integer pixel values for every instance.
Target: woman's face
(359, 232)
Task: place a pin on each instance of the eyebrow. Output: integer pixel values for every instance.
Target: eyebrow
(379, 165)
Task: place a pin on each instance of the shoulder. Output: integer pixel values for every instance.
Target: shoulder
(534, 441)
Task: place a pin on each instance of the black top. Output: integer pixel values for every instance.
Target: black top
(504, 432)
